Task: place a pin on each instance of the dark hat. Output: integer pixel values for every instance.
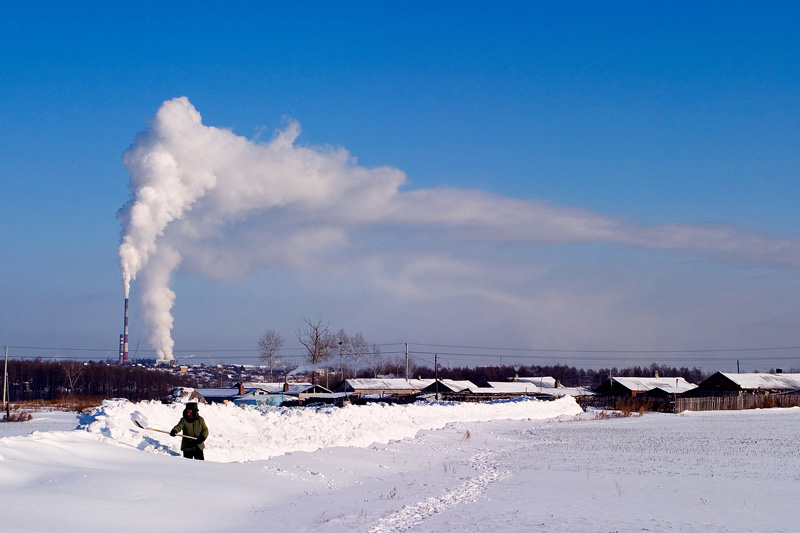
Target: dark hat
(191, 406)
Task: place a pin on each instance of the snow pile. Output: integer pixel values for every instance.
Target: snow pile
(249, 433)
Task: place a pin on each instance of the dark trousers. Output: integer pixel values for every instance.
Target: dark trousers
(193, 453)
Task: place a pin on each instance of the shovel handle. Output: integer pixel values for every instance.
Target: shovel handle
(162, 431)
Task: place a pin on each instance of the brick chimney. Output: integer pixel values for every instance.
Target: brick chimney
(241, 389)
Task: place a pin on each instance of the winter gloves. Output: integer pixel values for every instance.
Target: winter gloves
(199, 439)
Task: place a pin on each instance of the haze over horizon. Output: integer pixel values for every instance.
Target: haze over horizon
(608, 186)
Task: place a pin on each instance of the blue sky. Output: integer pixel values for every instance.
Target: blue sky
(649, 115)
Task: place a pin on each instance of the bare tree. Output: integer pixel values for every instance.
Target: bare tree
(269, 347)
(73, 371)
(358, 349)
(317, 341)
(376, 357)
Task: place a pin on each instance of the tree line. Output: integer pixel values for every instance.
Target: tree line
(52, 380)
(568, 376)
(351, 356)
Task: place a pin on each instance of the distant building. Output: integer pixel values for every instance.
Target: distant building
(506, 387)
(655, 386)
(292, 389)
(383, 387)
(228, 394)
(256, 393)
(541, 381)
(723, 382)
(448, 385)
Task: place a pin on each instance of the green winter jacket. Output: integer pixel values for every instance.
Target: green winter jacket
(193, 428)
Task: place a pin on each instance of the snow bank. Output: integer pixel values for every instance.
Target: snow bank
(250, 433)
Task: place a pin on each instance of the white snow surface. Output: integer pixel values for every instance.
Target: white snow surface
(505, 466)
(42, 421)
(250, 433)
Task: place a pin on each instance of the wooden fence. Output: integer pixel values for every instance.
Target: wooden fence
(736, 402)
(731, 402)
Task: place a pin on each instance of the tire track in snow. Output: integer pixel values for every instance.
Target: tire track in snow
(412, 515)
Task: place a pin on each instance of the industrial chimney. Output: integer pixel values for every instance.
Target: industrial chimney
(123, 355)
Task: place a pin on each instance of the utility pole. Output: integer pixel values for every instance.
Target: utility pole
(406, 361)
(436, 373)
(5, 387)
(611, 389)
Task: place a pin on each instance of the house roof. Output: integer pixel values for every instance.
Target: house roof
(764, 381)
(457, 385)
(293, 388)
(388, 383)
(569, 391)
(506, 387)
(298, 388)
(543, 381)
(670, 385)
(269, 387)
(222, 392)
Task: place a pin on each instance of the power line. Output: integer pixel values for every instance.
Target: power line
(553, 350)
(486, 353)
(597, 358)
(182, 350)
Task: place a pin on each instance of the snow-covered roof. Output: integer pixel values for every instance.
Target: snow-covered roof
(298, 388)
(758, 380)
(568, 391)
(506, 387)
(269, 387)
(670, 385)
(227, 392)
(279, 386)
(328, 395)
(217, 392)
(543, 381)
(388, 383)
(455, 385)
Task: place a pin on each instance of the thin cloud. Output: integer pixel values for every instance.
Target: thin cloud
(212, 202)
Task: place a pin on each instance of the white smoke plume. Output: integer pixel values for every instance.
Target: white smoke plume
(223, 205)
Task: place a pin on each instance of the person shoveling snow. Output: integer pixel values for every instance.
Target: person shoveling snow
(195, 432)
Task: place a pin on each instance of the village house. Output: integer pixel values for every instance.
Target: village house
(729, 383)
(448, 386)
(540, 381)
(382, 387)
(753, 390)
(648, 387)
(228, 394)
(508, 387)
(551, 386)
(280, 393)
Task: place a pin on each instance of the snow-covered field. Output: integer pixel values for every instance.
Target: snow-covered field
(511, 466)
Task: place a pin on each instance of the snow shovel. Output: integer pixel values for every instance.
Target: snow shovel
(162, 431)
